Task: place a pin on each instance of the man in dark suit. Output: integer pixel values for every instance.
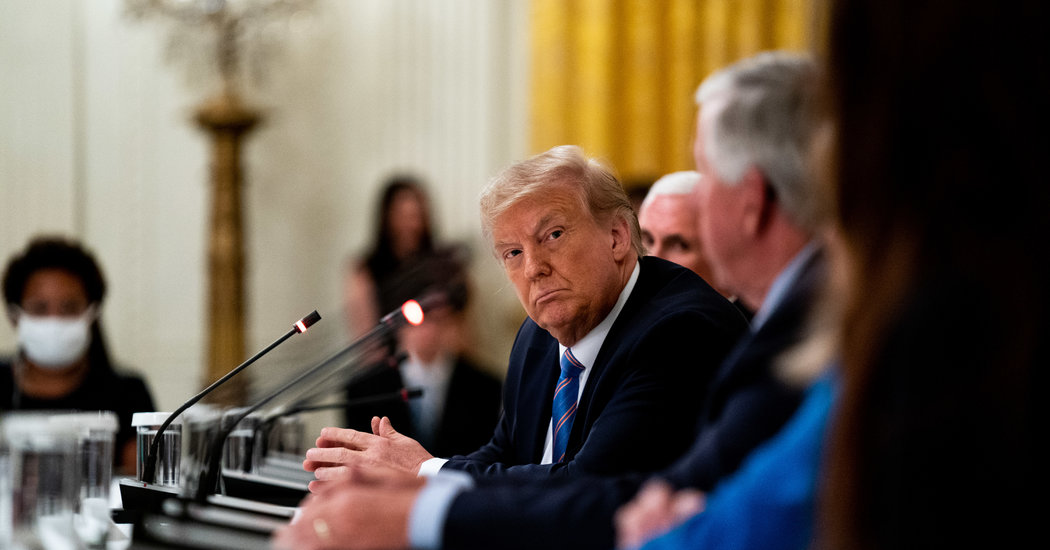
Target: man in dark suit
(758, 225)
(636, 340)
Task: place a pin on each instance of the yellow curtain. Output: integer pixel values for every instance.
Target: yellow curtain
(617, 77)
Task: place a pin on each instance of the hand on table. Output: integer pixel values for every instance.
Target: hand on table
(383, 452)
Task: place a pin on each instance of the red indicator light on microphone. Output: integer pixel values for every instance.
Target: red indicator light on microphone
(413, 312)
(301, 325)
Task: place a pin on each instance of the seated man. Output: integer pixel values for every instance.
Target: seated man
(667, 218)
(615, 351)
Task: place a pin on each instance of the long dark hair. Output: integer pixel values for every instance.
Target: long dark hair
(54, 252)
(940, 197)
(380, 260)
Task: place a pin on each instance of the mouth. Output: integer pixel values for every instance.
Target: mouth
(546, 296)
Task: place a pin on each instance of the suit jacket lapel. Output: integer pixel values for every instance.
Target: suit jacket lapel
(616, 335)
(536, 413)
(784, 322)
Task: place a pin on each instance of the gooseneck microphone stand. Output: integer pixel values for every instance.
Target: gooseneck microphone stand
(321, 372)
(150, 466)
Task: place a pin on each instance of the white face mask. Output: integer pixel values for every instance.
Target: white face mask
(55, 342)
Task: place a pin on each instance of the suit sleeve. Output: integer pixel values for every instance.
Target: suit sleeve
(497, 450)
(580, 514)
(644, 405)
(515, 514)
(751, 415)
(769, 503)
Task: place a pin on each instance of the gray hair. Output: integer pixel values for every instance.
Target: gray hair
(565, 165)
(765, 116)
(675, 183)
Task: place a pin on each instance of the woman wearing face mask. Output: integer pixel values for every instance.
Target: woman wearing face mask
(53, 291)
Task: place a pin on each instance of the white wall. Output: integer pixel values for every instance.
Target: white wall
(96, 141)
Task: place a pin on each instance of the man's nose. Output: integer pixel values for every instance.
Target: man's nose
(537, 263)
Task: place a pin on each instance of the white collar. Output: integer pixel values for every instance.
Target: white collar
(586, 350)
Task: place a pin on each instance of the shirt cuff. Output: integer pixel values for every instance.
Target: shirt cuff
(431, 466)
(427, 519)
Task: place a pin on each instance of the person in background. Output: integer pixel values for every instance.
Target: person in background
(54, 291)
(668, 220)
(403, 232)
(460, 404)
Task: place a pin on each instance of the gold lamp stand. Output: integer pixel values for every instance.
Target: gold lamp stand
(227, 121)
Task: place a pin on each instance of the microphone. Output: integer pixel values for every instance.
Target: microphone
(149, 468)
(410, 312)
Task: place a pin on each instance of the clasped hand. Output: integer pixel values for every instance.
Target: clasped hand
(338, 449)
(655, 510)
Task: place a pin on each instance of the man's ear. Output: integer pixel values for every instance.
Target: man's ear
(621, 239)
(754, 194)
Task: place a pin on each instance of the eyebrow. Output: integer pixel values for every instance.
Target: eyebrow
(536, 229)
(544, 222)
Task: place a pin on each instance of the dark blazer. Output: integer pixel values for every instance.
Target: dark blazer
(472, 408)
(746, 405)
(671, 335)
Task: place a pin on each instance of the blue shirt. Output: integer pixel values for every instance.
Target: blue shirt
(769, 503)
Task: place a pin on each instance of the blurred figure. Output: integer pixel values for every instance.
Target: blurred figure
(940, 195)
(54, 291)
(460, 405)
(403, 232)
(757, 125)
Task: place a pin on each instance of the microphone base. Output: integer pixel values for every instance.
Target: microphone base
(137, 497)
(264, 489)
(162, 519)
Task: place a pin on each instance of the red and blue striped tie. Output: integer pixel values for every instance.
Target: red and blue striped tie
(564, 409)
